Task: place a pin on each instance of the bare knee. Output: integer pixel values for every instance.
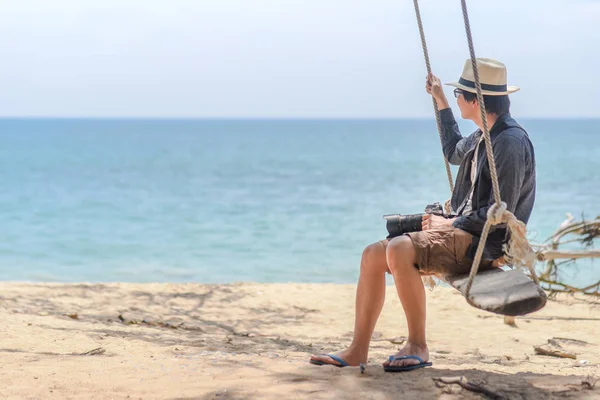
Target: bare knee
(374, 258)
(398, 245)
(400, 252)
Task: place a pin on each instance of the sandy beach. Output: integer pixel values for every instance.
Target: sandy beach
(253, 341)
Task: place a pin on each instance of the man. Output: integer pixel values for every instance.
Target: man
(447, 245)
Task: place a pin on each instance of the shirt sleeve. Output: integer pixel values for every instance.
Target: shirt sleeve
(453, 143)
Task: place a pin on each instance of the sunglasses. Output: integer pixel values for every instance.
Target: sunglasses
(457, 93)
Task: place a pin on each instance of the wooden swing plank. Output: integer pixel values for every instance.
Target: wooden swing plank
(502, 292)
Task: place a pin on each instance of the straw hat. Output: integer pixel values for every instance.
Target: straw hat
(492, 76)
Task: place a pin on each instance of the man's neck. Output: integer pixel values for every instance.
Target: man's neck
(491, 120)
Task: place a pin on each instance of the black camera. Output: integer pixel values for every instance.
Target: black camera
(398, 224)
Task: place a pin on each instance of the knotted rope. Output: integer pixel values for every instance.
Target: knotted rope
(518, 252)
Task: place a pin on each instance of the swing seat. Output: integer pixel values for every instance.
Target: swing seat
(502, 292)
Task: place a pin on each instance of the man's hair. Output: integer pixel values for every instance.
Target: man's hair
(493, 104)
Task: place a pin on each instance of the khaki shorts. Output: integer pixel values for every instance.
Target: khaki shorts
(444, 251)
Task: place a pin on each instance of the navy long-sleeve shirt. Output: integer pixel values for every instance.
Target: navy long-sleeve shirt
(515, 167)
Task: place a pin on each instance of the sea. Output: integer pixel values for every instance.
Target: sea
(220, 201)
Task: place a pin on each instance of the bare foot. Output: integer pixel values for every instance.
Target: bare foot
(352, 358)
(409, 350)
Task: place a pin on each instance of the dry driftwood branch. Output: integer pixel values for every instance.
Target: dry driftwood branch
(562, 347)
(564, 288)
(590, 382)
(548, 350)
(94, 352)
(465, 384)
(571, 255)
(587, 231)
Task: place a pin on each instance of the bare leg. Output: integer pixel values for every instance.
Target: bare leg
(401, 258)
(370, 296)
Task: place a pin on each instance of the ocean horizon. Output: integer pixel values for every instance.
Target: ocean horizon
(265, 199)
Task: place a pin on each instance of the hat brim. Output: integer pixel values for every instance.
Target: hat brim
(509, 89)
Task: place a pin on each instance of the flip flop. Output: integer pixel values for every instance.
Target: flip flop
(334, 358)
(401, 368)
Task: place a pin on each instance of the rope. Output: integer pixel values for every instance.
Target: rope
(518, 250)
(486, 133)
(435, 106)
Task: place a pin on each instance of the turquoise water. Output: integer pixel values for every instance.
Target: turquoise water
(224, 201)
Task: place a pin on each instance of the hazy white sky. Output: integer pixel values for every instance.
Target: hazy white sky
(286, 58)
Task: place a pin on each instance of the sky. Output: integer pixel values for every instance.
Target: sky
(286, 58)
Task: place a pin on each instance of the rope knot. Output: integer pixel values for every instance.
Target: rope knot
(496, 215)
